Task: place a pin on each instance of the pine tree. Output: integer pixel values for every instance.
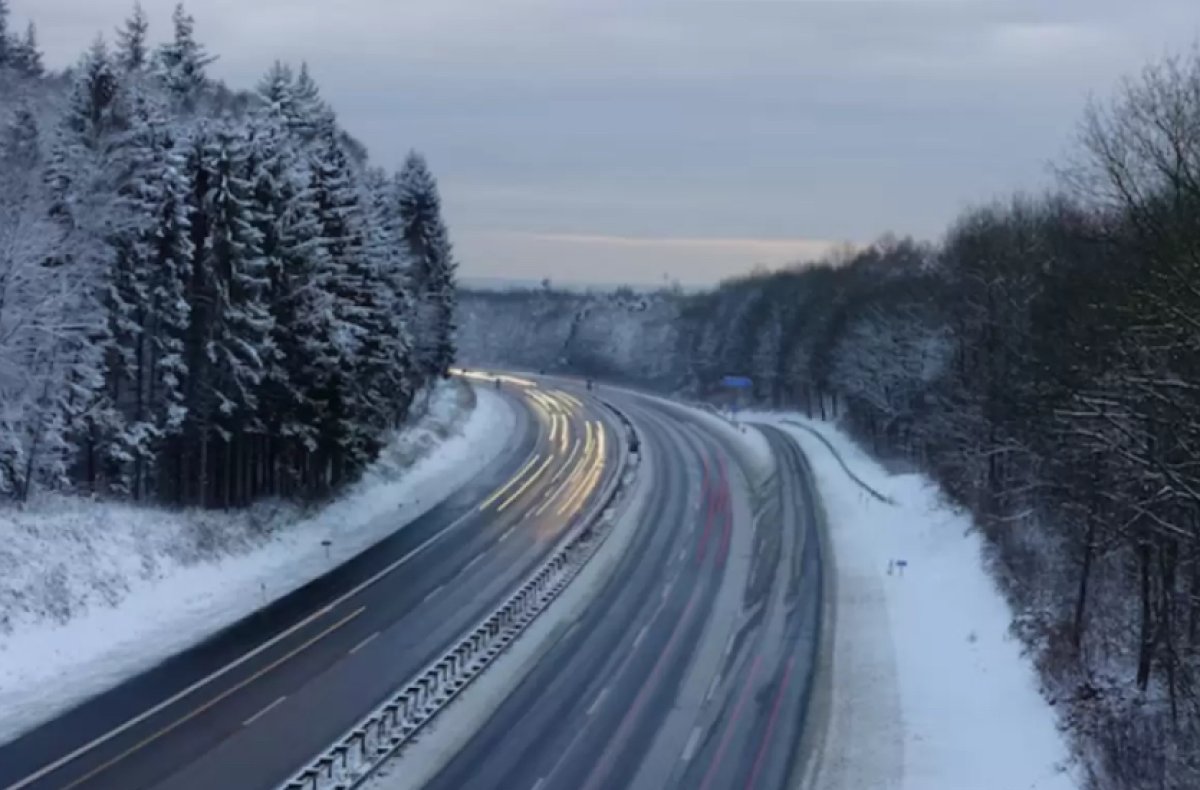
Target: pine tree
(433, 267)
(182, 61)
(312, 117)
(149, 315)
(24, 284)
(24, 54)
(348, 441)
(297, 296)
(93, 111)
(386, 252)
(238, 336)
(5, 53)
(132, 51)
(80, 176)
(202, 311)
(277, 90)
(91, 115)
(21, 146)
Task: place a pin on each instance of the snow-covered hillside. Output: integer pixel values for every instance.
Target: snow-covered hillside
(92, 592)
(619, 335)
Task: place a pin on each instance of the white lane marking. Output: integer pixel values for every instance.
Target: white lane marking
(433, 592)
(682, 554)
(596, 702)
(689, 750)
(141, 717)
(637, 640)
(538, 784)
(712, 687)
(507, 532)
(263, 712)
(729, 646)
(667, 589)
(364, 643)
(562, 758)
(471, 564)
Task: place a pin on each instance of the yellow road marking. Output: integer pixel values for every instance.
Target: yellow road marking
(223, 695)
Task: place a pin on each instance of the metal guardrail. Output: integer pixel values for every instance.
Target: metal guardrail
(380, 735)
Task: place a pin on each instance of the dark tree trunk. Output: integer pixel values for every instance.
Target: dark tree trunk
(1146, 640)
(1081, 595)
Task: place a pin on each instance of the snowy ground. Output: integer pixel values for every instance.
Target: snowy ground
(929, 691)
(91, 593)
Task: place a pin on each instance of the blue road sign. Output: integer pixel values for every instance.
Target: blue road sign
(737, 382)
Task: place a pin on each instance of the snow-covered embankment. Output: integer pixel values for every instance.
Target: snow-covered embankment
(928, 689)
(94, 592)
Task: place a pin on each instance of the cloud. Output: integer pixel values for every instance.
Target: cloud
(592, 258)
(684, 119)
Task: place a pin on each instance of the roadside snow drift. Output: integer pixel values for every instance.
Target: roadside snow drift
(929, 689)
(92, 593)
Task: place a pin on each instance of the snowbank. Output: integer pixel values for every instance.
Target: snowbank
(929, 691)
(91, 593)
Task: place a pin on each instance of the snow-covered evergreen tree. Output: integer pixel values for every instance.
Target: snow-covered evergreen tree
(387, 255)
(81, 177)
(311, 117)
(148, 311)
(343, 234)
(132, 48)
(26, 298)
(229, 329)
(277, 89)
(432, 264)
(196, 310)
(24, 54)
(183, 60)
(296, 292)
(5, 42)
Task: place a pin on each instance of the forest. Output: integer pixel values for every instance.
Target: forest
(1041, 362)
(207, 295)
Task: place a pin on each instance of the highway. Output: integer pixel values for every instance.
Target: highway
(250, 705)
(693, 666)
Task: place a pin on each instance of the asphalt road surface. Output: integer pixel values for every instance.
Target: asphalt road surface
(614, 703)
(249, 706)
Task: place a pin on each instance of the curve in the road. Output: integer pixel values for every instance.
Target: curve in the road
(249, 705)
(599, 700)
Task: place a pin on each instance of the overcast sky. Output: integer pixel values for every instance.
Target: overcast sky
(607, 141)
